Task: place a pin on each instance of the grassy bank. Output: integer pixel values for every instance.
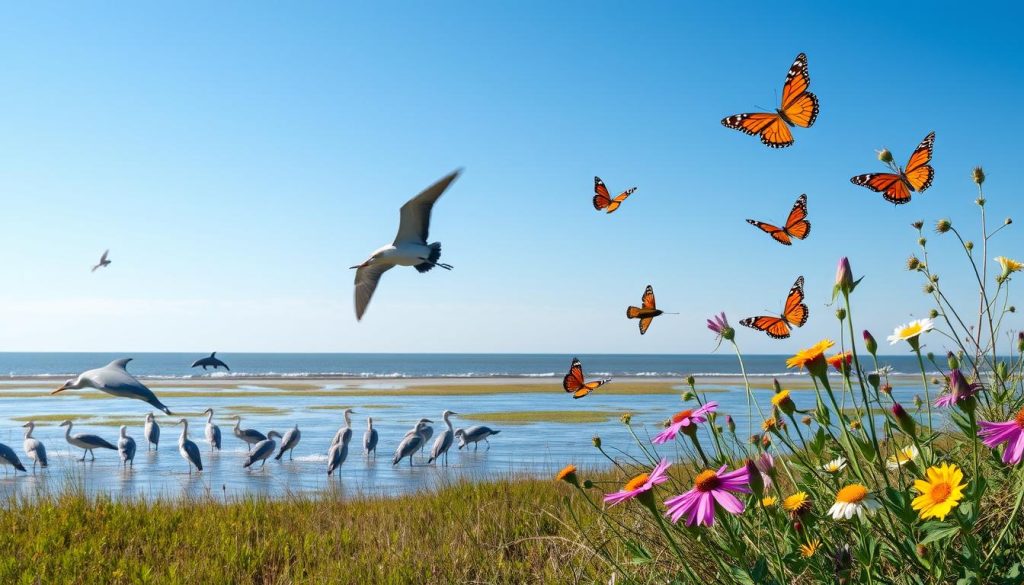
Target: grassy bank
(499, 532)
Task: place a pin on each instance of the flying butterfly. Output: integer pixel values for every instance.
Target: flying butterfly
(603, 199)
(794, 313)
(575, 382)
(647, 310)
(799, 108)
(896, 187)
(796, 226)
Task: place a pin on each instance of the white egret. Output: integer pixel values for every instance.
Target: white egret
(126, 448)
(86, 442)
(444, 440)
(345, 432)
(410, 444)
(263, 450)
(151, 431)
(370, 439)
(250, 436)
(188, 449)
(212, 431)
(474, 434)
(34, 448)
(9, 457)
(115, 380)
(288, 443)
(410, 247)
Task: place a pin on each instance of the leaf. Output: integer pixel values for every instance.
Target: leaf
(640, 554)
(940, 534)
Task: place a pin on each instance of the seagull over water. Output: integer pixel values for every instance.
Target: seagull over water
(103, 261)
(410, 247)
(115, 380)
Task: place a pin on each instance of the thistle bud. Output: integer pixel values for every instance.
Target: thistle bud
(688, 396)
(933, 314)
(755, 479)
(904, 421)
(1020, 342)
(969, 245)
(922, 242)
(934, 278)
(930, 356)
(874, 380)
(690, 381)
(1008, 221)
(730, 424)
(942, 226)
(885, 156)
(626, 418)
(840, 313)
(918, 224)
(929, 289)
(1012, 309)
(869, 342)
(596, 441)
(913, 263)
(952, 361)
(978, 175)
(980, 201)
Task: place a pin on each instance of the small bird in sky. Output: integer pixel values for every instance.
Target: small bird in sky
(103, 261)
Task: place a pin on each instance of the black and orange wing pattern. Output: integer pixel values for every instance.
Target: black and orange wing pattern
(797, 225)
(799, 108)
(918, 172)
(603, 199)
(575, 383)
(896, 188)
(794, 313)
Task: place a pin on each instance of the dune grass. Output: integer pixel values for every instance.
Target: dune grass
(53, 417)
(522, 417)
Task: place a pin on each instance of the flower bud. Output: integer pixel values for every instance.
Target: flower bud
(626, 418)
(917, 224)
(690, 381)
(934, 278)
(755, 439)
(874, 380)
(886, 389)
(1008, 221)
(806, 419)
(1012, 309)
(922, 241)
(942, 226)
(913, 263)
(952, 361)
(921, 550)
(1001, 371)
(933, 314)
(730, 424)
(904, 421)
(930, 356)
(766, 441)
(776, 386)
(969, 245)
(929, 289)
(688, 396)
(756, 481)
(978, 175)
(1020, 342)
(917, 401)
(980, 201)
(854, 425)
(870, 343)
(797, 527)
(587, 484)
(885, 156)
(840, 313)
(596, 441)
(844, 274)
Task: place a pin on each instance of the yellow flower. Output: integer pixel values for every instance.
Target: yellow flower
(805, 356)
(769, 501)
(568, 475)
(807, 550)
(783, 402)
(1008, 265)
(797, 504)
(940, 493)
(910, 331)
(902, 457)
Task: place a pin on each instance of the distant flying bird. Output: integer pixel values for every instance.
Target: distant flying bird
(115, 380)
(647, 310)
(410, 247)
(103, 261)
(211, 362)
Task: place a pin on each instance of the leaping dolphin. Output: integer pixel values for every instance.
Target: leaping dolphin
(211, 361)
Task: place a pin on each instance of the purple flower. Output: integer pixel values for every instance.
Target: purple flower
(719, 324)
(710, 487)
(640, 484)
(683, 421)
(1010, 432)
(959, 390)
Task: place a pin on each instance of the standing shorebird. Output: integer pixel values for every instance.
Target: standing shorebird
(115, 380)
(126, 448)
(288, 442)
(34, 447)
(345, 432)
(189, 450)
(444, 440)
(263, 450)
(337, 454)
(474, 434)
(9, 457)
(151, 431)
(250, 436)
(212, 431)
(103, 263)
(85, 441)
(411, 443)
(410, 247)
(427, 431)
(370, 439)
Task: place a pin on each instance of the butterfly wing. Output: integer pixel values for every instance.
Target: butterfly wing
(918, 172)
(775, 327)
(645, 323)
(799, 105)
(795, 310)
(602, 198)
(648, 299)
(615, 203)
(797, 224)
(889, 185)
(589, 387)
(573, 381)
(632, 312)
(774, 231)
(773, 130)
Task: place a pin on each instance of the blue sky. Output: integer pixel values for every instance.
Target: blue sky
(236, 158)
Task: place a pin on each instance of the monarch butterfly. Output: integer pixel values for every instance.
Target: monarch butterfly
(795, 312)
(603, 199)
(575, 383)
(896, 187)
(799, 108)
(647, 310)
(797, 225)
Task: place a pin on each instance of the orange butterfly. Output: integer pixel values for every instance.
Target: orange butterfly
(603, 199)
(799, 108)
(896, 187)
(575, 383)
(646, 312)
(797, 225)
(795, 313)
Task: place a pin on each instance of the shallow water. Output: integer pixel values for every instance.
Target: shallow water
(531, 449)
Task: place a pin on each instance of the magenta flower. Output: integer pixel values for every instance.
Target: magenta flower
(1010, 432)
(710, 487)
(719, 325)
(959, 390)
(685, 421)
(766, 465)
(640, 484)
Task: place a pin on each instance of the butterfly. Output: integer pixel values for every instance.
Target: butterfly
(603, 199)
(795, 313)
(799, 108)
(797, 225)
(646, 312)
(896, 187)
(575, 383)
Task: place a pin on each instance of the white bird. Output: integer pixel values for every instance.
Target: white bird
(34, 447)
(370, 439)
(151, 431)
(9, 457)
(288, 443)
(345, 432)
(212, 431)
(86, 442)
(250, 436)
(337, 454)
(444, 440)
(410, 247)
(126, 447)
(427, 431)
(103, 261)
(263, 450)
(410, 444)
(115, 380)
(189, 450)
(474, 434)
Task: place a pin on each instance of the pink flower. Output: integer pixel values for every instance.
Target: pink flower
(685, 421)
(959, 390)
(1010, 432)
(719, 325)
(766, 465)
(710, 487)
(640, 484)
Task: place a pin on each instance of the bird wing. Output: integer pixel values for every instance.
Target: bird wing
(414, 223)
(367, 278)
(103, 258)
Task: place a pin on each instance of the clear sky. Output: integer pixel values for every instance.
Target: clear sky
(237, 157)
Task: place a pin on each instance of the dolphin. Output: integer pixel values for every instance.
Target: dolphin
(211, 361)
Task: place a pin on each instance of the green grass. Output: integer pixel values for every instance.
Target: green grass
(54, 417)
(523, 417)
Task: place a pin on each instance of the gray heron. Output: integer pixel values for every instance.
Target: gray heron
(370, 439)
(34, 447)
(9, 457)
(126, 448)
(263, 450)
(250, 436)
(212, 431)
(86, 442)
(427, 431)
(410, 443)
(337, 454)
(288, 442)
(151, 431)
(188, 449)
(345, 432)
(410, 247)
(444, 440)
(115, 380)
(474, 434)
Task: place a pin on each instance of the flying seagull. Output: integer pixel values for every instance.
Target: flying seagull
(410, 247)
(211, 361)
(115, 380)
(103, 261)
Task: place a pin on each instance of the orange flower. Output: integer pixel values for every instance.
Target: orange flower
(568, 475)
(841, 361)
(806, 357)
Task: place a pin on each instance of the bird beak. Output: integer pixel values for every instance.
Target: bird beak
(62, 388)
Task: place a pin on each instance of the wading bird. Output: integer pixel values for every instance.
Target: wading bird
(370, 439)
(189, 450)
(475, 434)
(345, 432)
(212, 431)
(115, 380)
(250, 436)
(151, 432)
(411, 443)
(263, 450)
(410, 247)
(126, 448)
(85, 441)
(103, 263)
(427, 431)
(288, 442)
(444, 440)
(337, 454)
(9, 457)
(34, 447)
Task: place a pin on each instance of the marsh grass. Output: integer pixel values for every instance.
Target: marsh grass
(524, 417)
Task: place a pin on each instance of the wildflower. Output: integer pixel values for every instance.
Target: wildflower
(917, 224)
(942, 226)
(812, 358)
(757, 481)
(853, 499)
(769, 501)
(904, 421)
(835, 466)
(869, 342)
(766, 441)
(960, 392)
(940, 493)
(885, 156)
(719, 325)
(807, 550)
(844, 276)
(709, 487)
(568, 475)
(841, 362)
(797, 504)
(1009, 265)
(902, 457)
(685, 421)
(1010, 432)
(765, 465)
(640, 485)
(771, 424)
(978, 175)
(913, 263)
(730, 424)
(855, 425)
(806, 419)
(911, 331)
(783, 402)
(596, 441)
